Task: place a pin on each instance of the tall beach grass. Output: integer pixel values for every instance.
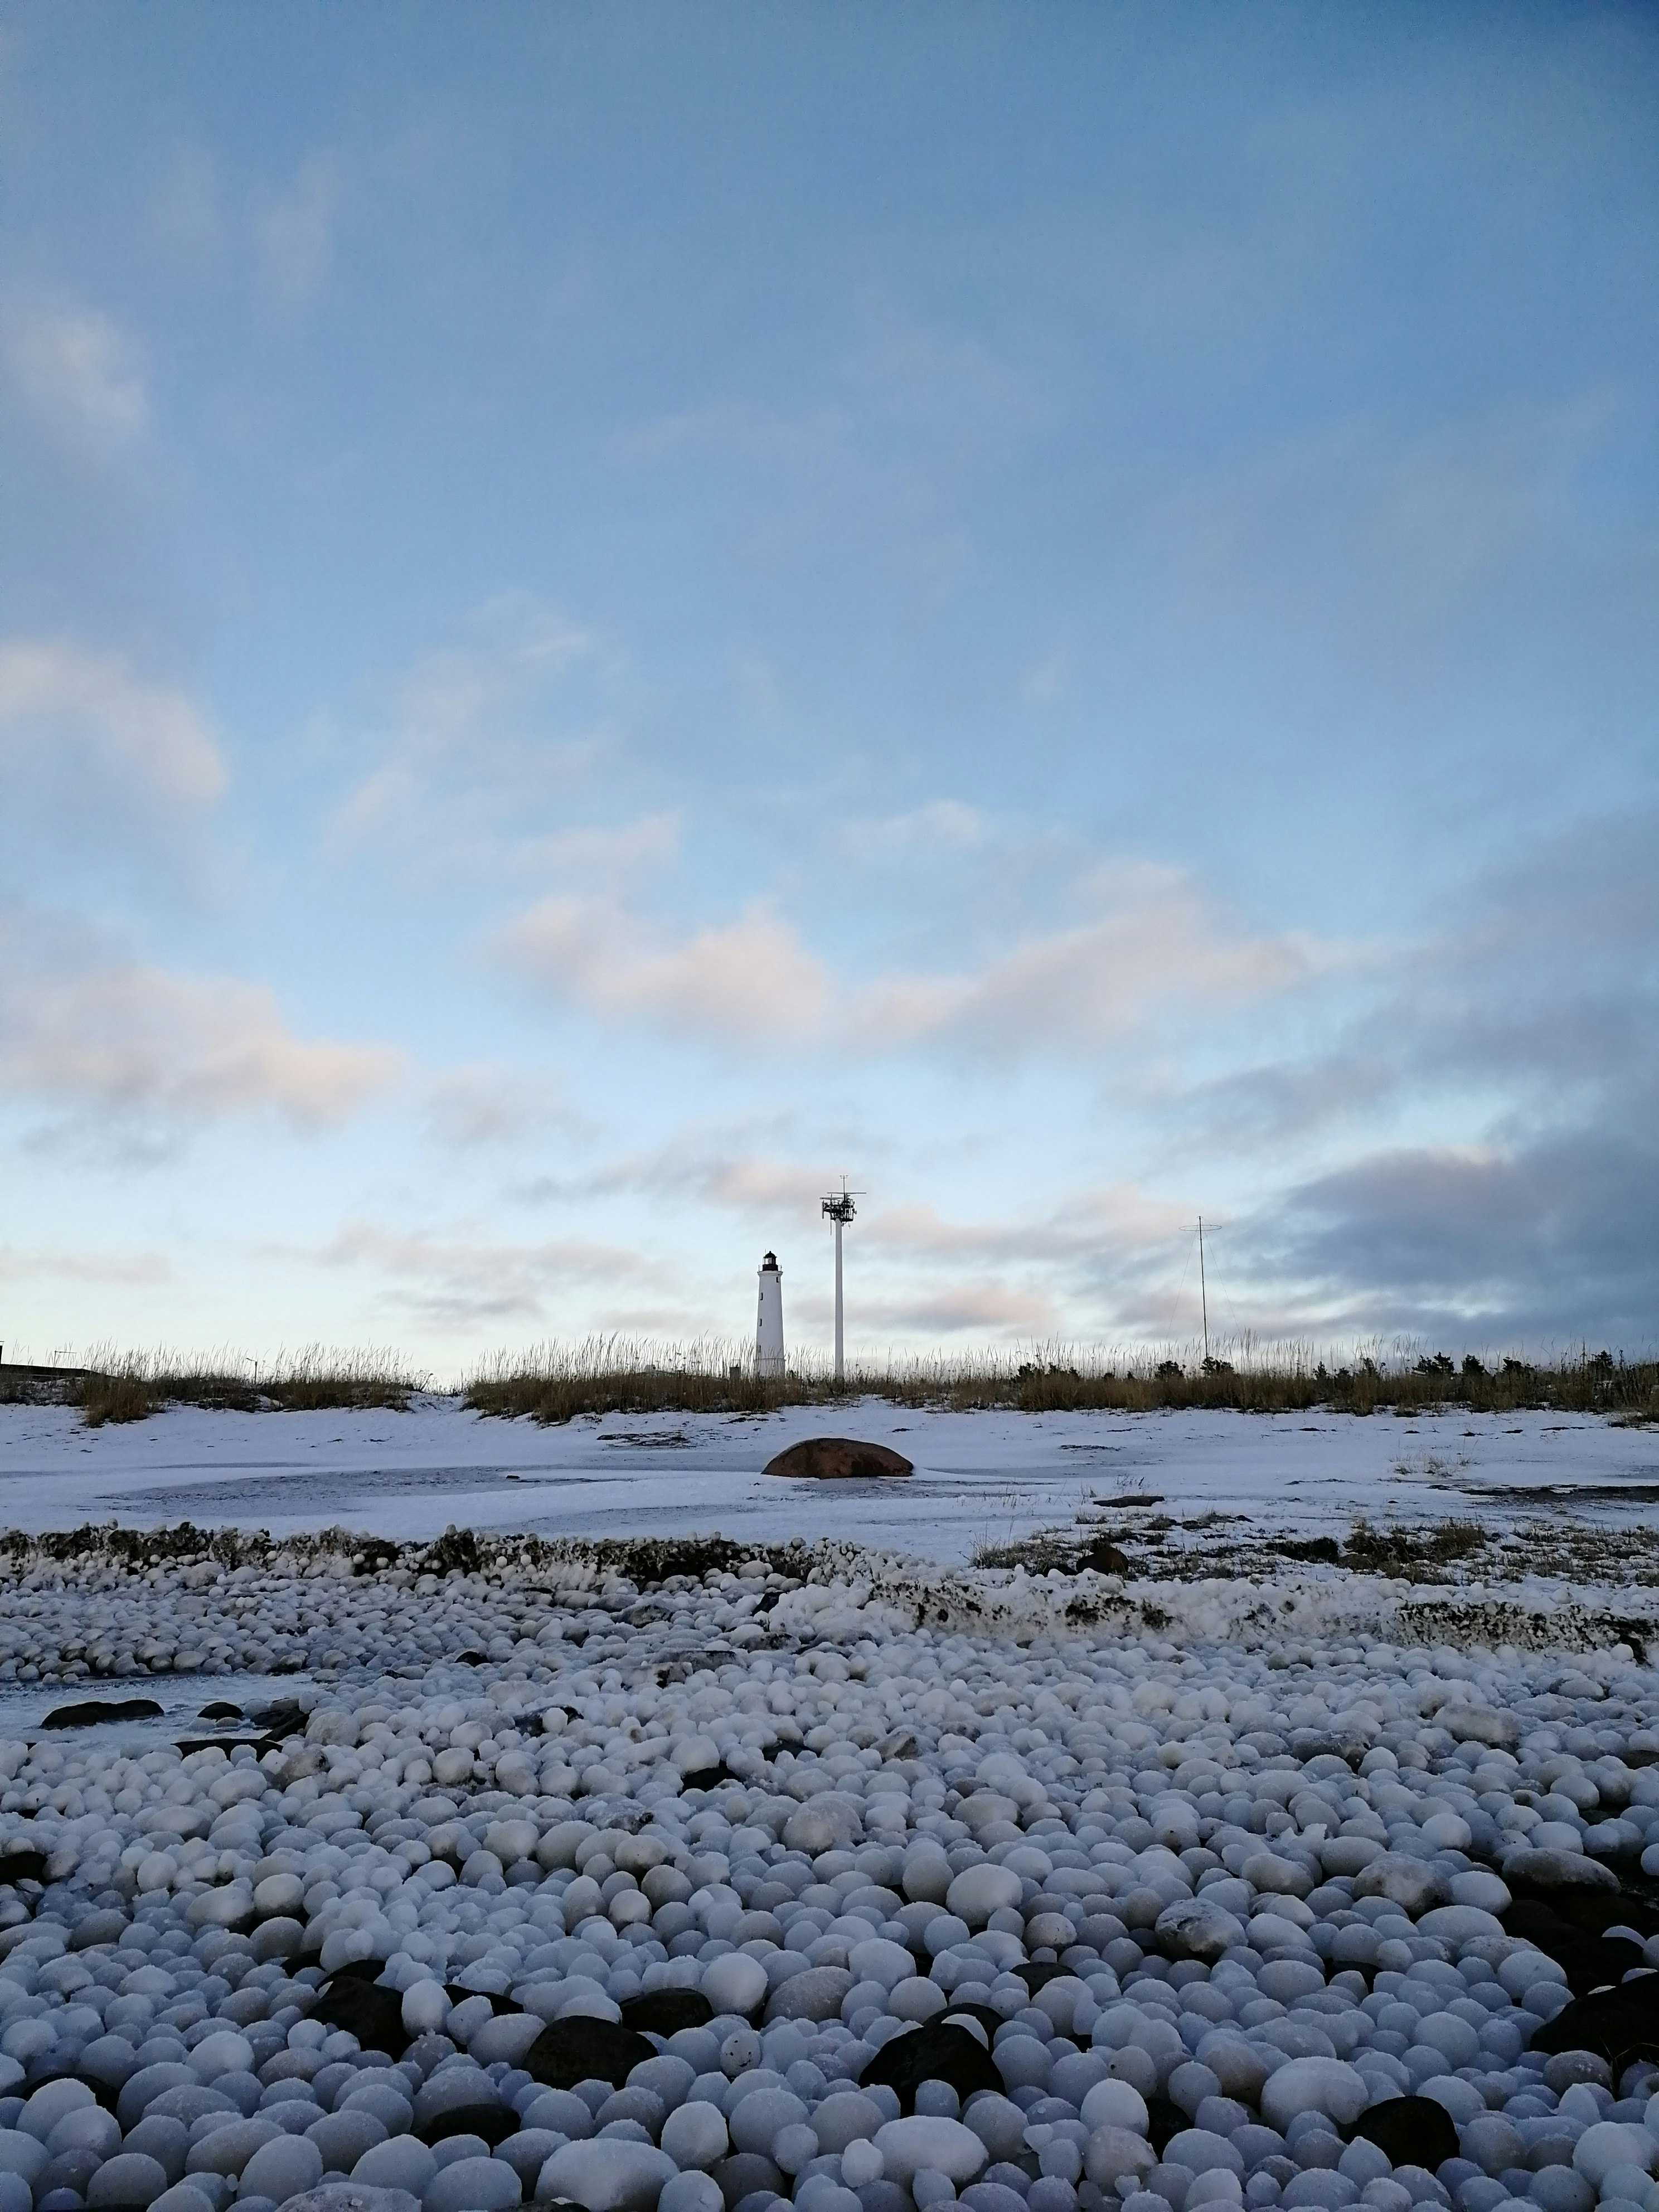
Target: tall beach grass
(608, 1374)
(614, 1375)
(129, 1386)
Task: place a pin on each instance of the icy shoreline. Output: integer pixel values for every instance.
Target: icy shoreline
(985, 1477)
(704, 1879)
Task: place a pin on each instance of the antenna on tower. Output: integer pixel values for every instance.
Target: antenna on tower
(1204, 1294)
(838, 1207)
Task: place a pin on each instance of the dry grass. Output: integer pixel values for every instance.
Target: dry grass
(132, 1386)
(612, 1375)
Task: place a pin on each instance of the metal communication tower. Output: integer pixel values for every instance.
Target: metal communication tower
(838, 1207)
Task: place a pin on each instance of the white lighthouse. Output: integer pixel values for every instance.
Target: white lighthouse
(769, 1320)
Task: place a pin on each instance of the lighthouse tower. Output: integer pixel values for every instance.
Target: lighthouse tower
(768, 1322)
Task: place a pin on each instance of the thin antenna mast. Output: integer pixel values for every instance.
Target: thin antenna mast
(1203, 1291)
(838, 1207)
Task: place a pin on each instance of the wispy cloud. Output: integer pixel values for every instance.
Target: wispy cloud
(463, 1278)
(87, 1027)
(747, 979)
(1117, 1219)
(475, 752)
(296, 233)
(1153, 940)
(86, 717)
(470, 1109)
(77, 371)
(139, 1268)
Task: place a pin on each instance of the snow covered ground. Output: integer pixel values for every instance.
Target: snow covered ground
(980, 1478)
(842, 1876)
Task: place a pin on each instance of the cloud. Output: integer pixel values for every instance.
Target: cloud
(461, 1279)
(85, 1027)
(960, 1309)
(1531, 1000)
(478, 746)
(77, 373)
(139, 1268)
(1156, 941)
(296, 233)
(1475, 1136)
(472, 1107)
(1121, 1218)
(747, 980)
(609, 855)
(81, 717)
(1521, 1244)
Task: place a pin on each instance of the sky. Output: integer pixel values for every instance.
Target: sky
(609, 616)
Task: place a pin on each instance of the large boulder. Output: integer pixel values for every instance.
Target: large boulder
(838, 1459)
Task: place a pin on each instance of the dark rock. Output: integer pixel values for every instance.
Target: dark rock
(89, 1713)
(285, 1718)
(578, 2049)
(665, 2012)
(1617, 2024)
(1164, 2121)
(1036, 1974)
(1104, 1557)
(1409, 2131)
(374, 2015)
(219, 1710)
(936, 2051)
(1576, 1939)
(495, 2123)
(742, 2174)
(23, 1865)
(838, 1459)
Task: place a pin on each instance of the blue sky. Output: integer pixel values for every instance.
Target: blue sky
(607, 614)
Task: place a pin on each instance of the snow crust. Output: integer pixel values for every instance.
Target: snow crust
(980, 1478)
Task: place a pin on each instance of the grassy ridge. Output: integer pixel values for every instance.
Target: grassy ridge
(607, 1375)
(134, 1385)
(612, 1375)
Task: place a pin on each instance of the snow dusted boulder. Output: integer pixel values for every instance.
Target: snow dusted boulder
(734, 1982)
(1115, 2105)
(980, 1891)
(607, 2175)
(1530, 1867)
(816, 1994)
(926, 2142)
(1193, 1928)
(1481, 1724)
(1410, 1883)
(1457, 1924)
(1114, 2155)
(1330, 2085)
(1610, 2143)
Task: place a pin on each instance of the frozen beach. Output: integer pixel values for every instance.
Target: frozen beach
(479, 1829)
(982, 1477)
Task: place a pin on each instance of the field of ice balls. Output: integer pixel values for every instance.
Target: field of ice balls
(742, 1888)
